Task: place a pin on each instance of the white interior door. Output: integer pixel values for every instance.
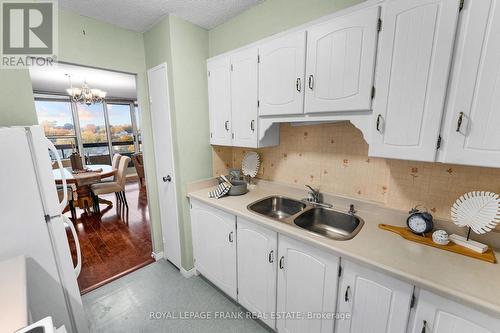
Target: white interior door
(438, 315)
(414, 58)
(307, 283)
(257, 252)
(377, 303)
(281, 75)
(341, 62)
(219, 101)
(244, 98)
(474, 103)
(164, 157)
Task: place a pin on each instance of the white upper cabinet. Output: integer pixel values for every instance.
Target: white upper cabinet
(214, 246)
(473, 113)
(281, 75)
(437, 314)
(307, 283)
(341, 61)
(257, 251)
(244, 97)
(414, 58)
(219, 101)
(377, 303)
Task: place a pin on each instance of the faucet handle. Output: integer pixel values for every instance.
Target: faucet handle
(314, 194)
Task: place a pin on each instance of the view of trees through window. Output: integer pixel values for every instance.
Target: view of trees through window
(95, 121)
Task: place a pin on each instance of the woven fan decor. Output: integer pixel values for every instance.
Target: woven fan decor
(477, 210)
(250, 164)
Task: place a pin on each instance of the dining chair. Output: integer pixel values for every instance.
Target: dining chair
(138, 161)
(117, 186)
(71, 206)
(66, 163)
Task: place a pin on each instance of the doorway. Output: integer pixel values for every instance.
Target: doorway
(115, 236)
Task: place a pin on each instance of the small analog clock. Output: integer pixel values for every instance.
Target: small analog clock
(419, 222)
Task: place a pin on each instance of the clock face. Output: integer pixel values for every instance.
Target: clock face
(417, 224)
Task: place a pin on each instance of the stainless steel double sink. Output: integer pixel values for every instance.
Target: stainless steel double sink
(319, 220)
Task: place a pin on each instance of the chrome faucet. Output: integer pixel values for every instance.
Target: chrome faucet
(316, 198)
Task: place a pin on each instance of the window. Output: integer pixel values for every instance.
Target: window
(120, 125)
(94, 133)
(56, 118)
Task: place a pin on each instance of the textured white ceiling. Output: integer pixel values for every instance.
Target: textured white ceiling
(53, 79)
(140, 15)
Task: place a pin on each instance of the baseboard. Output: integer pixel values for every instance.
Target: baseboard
(187, 274)
(157, 255)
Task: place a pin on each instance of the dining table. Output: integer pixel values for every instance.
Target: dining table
(83, 180)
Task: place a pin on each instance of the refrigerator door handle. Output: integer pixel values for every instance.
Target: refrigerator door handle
(53, 149)
(68, 223)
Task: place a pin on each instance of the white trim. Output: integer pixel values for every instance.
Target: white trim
(190, 273)
(157, 255)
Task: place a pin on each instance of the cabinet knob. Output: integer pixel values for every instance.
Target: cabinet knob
(378, 122)
(311, 82)
(167, 179)
(460, 120)
(252, 125)
(298, 84)
(282, 262)
(346, 295)
(271, 256)
(226, 125)
(230, 237)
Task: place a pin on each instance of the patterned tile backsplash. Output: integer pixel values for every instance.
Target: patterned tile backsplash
(334, 157)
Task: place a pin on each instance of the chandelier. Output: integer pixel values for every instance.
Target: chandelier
(85, 95)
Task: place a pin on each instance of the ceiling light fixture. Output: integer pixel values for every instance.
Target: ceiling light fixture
(85, 95)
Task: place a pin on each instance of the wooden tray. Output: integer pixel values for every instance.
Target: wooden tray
(488, 256)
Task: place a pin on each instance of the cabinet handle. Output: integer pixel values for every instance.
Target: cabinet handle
(346, 295)
(378, 122)
(271, 256)
(298, 84)
(226, 125)
(282, 262)
(252, 125)
(459, 121)
(424, 326)
(311, 81)
(230, 237)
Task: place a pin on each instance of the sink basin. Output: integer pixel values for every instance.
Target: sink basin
(277, 207)
(329, 223)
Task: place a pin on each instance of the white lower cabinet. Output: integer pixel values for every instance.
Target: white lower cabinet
(257, 247)
(307, 284)
(376, 302)
(440, 315)
(214, 245)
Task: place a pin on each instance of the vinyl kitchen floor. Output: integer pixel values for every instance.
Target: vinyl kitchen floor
(124, 305)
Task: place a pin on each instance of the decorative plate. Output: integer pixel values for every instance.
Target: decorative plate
(250, 164)
(478, 210)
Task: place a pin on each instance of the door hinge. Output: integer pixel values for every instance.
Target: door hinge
(373, 92)
(232, 135)
(412, 302)
(258, 103)
(231, 67)
(379, 25)
(340, 270)
(461, 5)
(258, 58)
(211, 135)
(438, 142)
(208, 73)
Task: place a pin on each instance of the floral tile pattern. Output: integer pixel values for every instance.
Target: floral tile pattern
(334, 157)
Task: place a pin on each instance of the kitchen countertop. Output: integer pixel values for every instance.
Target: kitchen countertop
(463, 279)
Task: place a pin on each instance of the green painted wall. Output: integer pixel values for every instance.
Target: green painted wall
(184, 47)
(268, 18)
(105, 46)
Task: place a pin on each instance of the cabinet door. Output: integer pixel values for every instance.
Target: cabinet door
(474, 120)
(377, 303)
(341, 62)
(257, 251)
(440, 315)
(414, 59)
(307, 283)
(219, 101)
(281, 75)
(244, 98)
(214, 246)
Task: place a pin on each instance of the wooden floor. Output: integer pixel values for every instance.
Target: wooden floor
(113, 244)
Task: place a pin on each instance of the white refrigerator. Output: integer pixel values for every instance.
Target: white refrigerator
(31, 224)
